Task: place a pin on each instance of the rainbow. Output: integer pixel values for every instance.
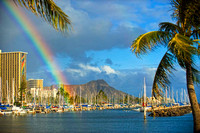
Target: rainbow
(36, 40)
(23, 63)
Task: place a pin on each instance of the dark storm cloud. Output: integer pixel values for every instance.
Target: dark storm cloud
(108, 61)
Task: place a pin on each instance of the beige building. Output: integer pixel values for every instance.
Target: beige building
(50, 91)
(12, 67)
(35, 85)
(37, 91)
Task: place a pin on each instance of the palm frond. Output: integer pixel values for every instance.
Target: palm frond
(198, 45)
(169, 27)
(199, 48)
(195, 75)
(179, 7)
(193, 13)
(148, 41)
(49, 11)
(161, 79)
(182, 47)
(186, 12)
(196, 34)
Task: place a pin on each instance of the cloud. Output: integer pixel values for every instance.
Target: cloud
(108, 70)
(97, 26)
(71, 70)
(83, 69)
(90, 68)
(76, 72)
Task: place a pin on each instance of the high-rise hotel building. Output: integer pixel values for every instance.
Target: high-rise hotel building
(12, 68)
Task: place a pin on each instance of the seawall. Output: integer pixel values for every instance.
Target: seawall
(171, 111)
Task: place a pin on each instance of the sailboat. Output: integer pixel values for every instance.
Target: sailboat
(0, 92)
(144, 108)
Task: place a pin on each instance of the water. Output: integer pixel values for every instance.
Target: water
(96, 121)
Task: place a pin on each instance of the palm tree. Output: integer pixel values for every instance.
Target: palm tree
(66, 96)
(49, 11)
(102, 97)
(22, 88)
(181, 41)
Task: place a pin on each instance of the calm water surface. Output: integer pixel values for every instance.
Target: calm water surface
(96, 121)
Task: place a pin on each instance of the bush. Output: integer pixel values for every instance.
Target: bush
(18, 104)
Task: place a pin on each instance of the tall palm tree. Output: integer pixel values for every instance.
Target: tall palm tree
(66, 96)
(181, 42)
(49, 11)
(22, 89)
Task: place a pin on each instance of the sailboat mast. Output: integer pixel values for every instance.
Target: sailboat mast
(13, 92)
(41, 95)
(59, 98)
(34, 97)
(123, 99)
(169, 96)
(172, 96)
(0, 91)
(188, 99)
(166, 95)
(181, 95)
(8, 99)
(144, 99)
(128, 99)
(139, 98)
(74, 97)
(80, 95)
(184, 96)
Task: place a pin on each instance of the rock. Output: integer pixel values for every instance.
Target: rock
(178, 111)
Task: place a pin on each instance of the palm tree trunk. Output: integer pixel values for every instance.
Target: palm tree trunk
(193, 99)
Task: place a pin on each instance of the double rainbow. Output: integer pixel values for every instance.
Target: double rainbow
(18, 16)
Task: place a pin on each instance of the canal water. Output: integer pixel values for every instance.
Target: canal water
(105, 121)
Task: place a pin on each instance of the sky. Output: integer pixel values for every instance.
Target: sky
(98, 46)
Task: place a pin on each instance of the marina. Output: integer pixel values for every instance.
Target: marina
(117, 120)
(82, 68)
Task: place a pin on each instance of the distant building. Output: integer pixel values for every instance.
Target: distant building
(54, 91)
(12, 68)
(34, 85)
(50, 91)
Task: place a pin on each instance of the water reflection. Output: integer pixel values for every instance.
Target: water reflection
(95, 121)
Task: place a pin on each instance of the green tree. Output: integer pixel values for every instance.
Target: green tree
(136, 100)
(77, 99)
(29, 97)
(49, 11)
(126, 99)
(66, 96)
(61, 91)
(22, 88)
(71, 100)
(102, 97)
(181, 42)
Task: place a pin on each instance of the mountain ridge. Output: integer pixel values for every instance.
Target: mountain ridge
(92, 88)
